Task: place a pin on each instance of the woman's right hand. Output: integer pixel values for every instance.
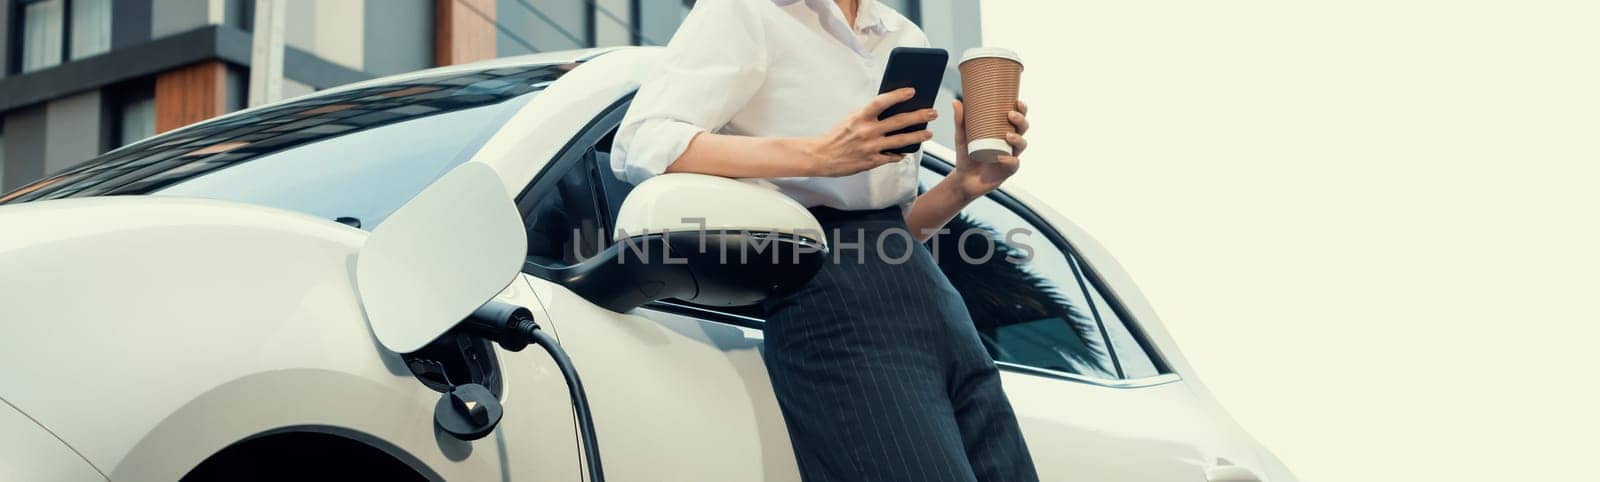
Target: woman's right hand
(858, 142)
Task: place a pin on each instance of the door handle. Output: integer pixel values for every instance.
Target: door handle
(1230, 473)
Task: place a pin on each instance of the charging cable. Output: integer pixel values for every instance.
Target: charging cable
(514, 329)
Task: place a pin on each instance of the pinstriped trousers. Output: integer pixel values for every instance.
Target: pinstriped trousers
(878, 369)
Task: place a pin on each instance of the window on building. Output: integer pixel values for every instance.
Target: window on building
(613, 24)
(136, 119)
(237, 94)
(91, 27)
(542, 26)
(659, 19)
(129, 112)
(53, 31)
(41, 34)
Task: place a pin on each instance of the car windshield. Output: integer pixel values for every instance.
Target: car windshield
(355, 155)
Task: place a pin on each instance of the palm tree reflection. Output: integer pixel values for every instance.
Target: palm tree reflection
(1020, 316)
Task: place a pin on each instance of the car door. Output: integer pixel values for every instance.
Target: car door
(680, 391)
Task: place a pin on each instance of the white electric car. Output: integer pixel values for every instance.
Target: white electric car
(278, 294)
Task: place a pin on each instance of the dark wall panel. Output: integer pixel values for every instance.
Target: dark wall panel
(25, 134)
(398, 36)
(130, 23)
(5, 37)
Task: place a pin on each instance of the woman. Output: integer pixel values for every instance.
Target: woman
(875, 363)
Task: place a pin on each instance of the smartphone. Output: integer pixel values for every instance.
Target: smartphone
(915, 67)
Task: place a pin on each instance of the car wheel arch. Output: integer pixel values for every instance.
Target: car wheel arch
(289, 401)
(262, 456)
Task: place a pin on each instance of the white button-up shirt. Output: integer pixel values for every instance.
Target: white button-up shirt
(770, 68)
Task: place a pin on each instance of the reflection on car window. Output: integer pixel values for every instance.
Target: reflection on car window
(565, 226)
(1030, 313)
(356, 154)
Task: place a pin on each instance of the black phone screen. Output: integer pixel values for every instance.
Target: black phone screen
(915, 67)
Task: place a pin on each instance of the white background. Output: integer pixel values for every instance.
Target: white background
(1370, 224)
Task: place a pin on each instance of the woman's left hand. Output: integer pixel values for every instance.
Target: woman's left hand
(976, 178)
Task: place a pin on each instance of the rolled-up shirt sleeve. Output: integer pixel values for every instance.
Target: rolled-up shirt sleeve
(712, 67)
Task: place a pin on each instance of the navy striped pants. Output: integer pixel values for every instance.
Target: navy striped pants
(878, 368)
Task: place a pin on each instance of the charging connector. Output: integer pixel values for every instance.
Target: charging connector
(513, 328)
(509, 325)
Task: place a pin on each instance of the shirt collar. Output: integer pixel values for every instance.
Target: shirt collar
(868, 17)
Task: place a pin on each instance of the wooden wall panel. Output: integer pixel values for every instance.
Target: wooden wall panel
(191, 94)
(461, 32)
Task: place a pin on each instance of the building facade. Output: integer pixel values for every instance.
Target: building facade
(82, 77)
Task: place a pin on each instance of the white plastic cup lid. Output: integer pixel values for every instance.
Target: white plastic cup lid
(978, 52)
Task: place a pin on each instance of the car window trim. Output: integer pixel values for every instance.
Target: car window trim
(685, 309)
(1099, 321)
(1141, 382)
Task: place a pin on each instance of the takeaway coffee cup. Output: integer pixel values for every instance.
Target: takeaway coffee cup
(989, 80)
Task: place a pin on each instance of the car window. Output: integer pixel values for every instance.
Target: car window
(1024, 296)
(566, 224)
(612, 189)
(1104, 333)
(355, 155)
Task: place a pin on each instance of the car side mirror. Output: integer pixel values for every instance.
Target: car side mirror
(704, 239)
(443, 254)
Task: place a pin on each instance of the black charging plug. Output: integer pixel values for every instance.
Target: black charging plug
(509, 325)
(513, 328)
